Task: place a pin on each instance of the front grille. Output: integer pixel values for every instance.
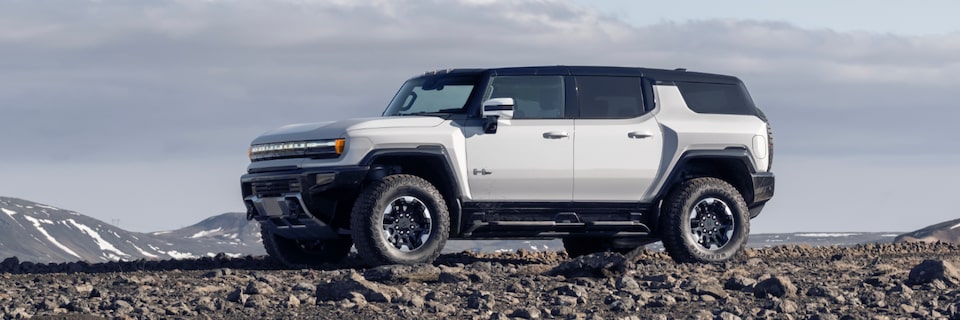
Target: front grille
(275, 187)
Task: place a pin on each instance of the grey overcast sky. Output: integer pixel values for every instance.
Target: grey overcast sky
(141, 111)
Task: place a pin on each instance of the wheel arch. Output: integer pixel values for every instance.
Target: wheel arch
(429, 162)
(733, 165)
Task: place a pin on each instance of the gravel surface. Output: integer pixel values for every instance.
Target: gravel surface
(876, 281)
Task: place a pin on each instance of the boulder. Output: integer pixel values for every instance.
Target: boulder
(775, 286)
(340, 289)
(930, 270)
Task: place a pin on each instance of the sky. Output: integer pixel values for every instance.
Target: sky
(139, 113)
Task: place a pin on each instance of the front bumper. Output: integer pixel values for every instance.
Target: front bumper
(302, 203)
(763, 187)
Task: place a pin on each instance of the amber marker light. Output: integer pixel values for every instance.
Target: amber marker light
(339, 144)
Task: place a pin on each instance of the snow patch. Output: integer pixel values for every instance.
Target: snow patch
(103, 244)
(891, 235)
(232, 255)
(955, 226)
(205, 233)
(111, 257)
(180, 255)
(36, 224)
(826, 235)
(141, 251)
(161, 232)
(8, 212)
(48, 207)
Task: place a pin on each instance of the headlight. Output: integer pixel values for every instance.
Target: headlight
(298, 149)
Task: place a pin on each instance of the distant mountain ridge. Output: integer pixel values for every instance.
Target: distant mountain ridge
(947, 231)
(41, 233)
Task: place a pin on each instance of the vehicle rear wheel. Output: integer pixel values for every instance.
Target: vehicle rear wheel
(401, 219)
(704, 220)
(301, 253)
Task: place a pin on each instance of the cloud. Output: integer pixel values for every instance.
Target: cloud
(136, 81)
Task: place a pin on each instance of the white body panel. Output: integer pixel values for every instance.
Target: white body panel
(685, 130)
(525, 160)
(615, 159)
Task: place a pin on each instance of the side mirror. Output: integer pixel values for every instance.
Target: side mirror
(498, 107)
(493, 110)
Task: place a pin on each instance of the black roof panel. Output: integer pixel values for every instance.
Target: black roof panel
(654, 74)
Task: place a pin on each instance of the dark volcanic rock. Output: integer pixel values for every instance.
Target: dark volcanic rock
(355, 283)
(11, 265)
(776, 286)
(739, 283)
(598, 265)
(930, 270)
(403, 273)
(869, 282)
(710, 289)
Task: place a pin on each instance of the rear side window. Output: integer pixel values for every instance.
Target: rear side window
(719, 98)
(609, 97)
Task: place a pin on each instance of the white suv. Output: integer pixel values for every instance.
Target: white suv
(605, 158)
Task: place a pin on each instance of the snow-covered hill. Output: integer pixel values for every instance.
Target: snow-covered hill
(230, 233)
(41, 233)
(947, 231)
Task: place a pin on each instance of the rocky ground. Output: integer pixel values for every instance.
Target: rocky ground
(876, 281)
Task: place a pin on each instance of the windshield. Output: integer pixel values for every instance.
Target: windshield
(433, 94)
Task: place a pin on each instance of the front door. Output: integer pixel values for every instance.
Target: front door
(530, 157)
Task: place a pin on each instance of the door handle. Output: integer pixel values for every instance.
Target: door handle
(555, 135)
(638, 135)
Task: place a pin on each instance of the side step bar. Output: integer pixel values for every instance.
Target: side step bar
(563, 224)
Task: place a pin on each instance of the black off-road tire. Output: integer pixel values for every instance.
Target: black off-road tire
(677, 232)
(304, 253)
(367, 220)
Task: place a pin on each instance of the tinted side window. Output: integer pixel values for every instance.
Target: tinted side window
(717, 98)
(609, 97)
(535, 97)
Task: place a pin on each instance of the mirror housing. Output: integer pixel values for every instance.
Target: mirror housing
(498, 107)
(493, 110)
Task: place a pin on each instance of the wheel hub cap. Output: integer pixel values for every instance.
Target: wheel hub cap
(711, 223)
(406, 223)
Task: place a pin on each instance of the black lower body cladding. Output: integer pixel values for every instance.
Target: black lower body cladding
(763, 187)
(302, 203)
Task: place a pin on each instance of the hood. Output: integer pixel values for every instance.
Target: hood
(337, 129)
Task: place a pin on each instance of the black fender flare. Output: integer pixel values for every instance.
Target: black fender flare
(676, 175)
(434, 151)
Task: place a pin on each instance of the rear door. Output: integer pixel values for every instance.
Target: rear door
(618, 145)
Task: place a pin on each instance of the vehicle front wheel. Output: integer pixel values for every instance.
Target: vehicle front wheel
(401, 219)
(304, 253)
(704, 220)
